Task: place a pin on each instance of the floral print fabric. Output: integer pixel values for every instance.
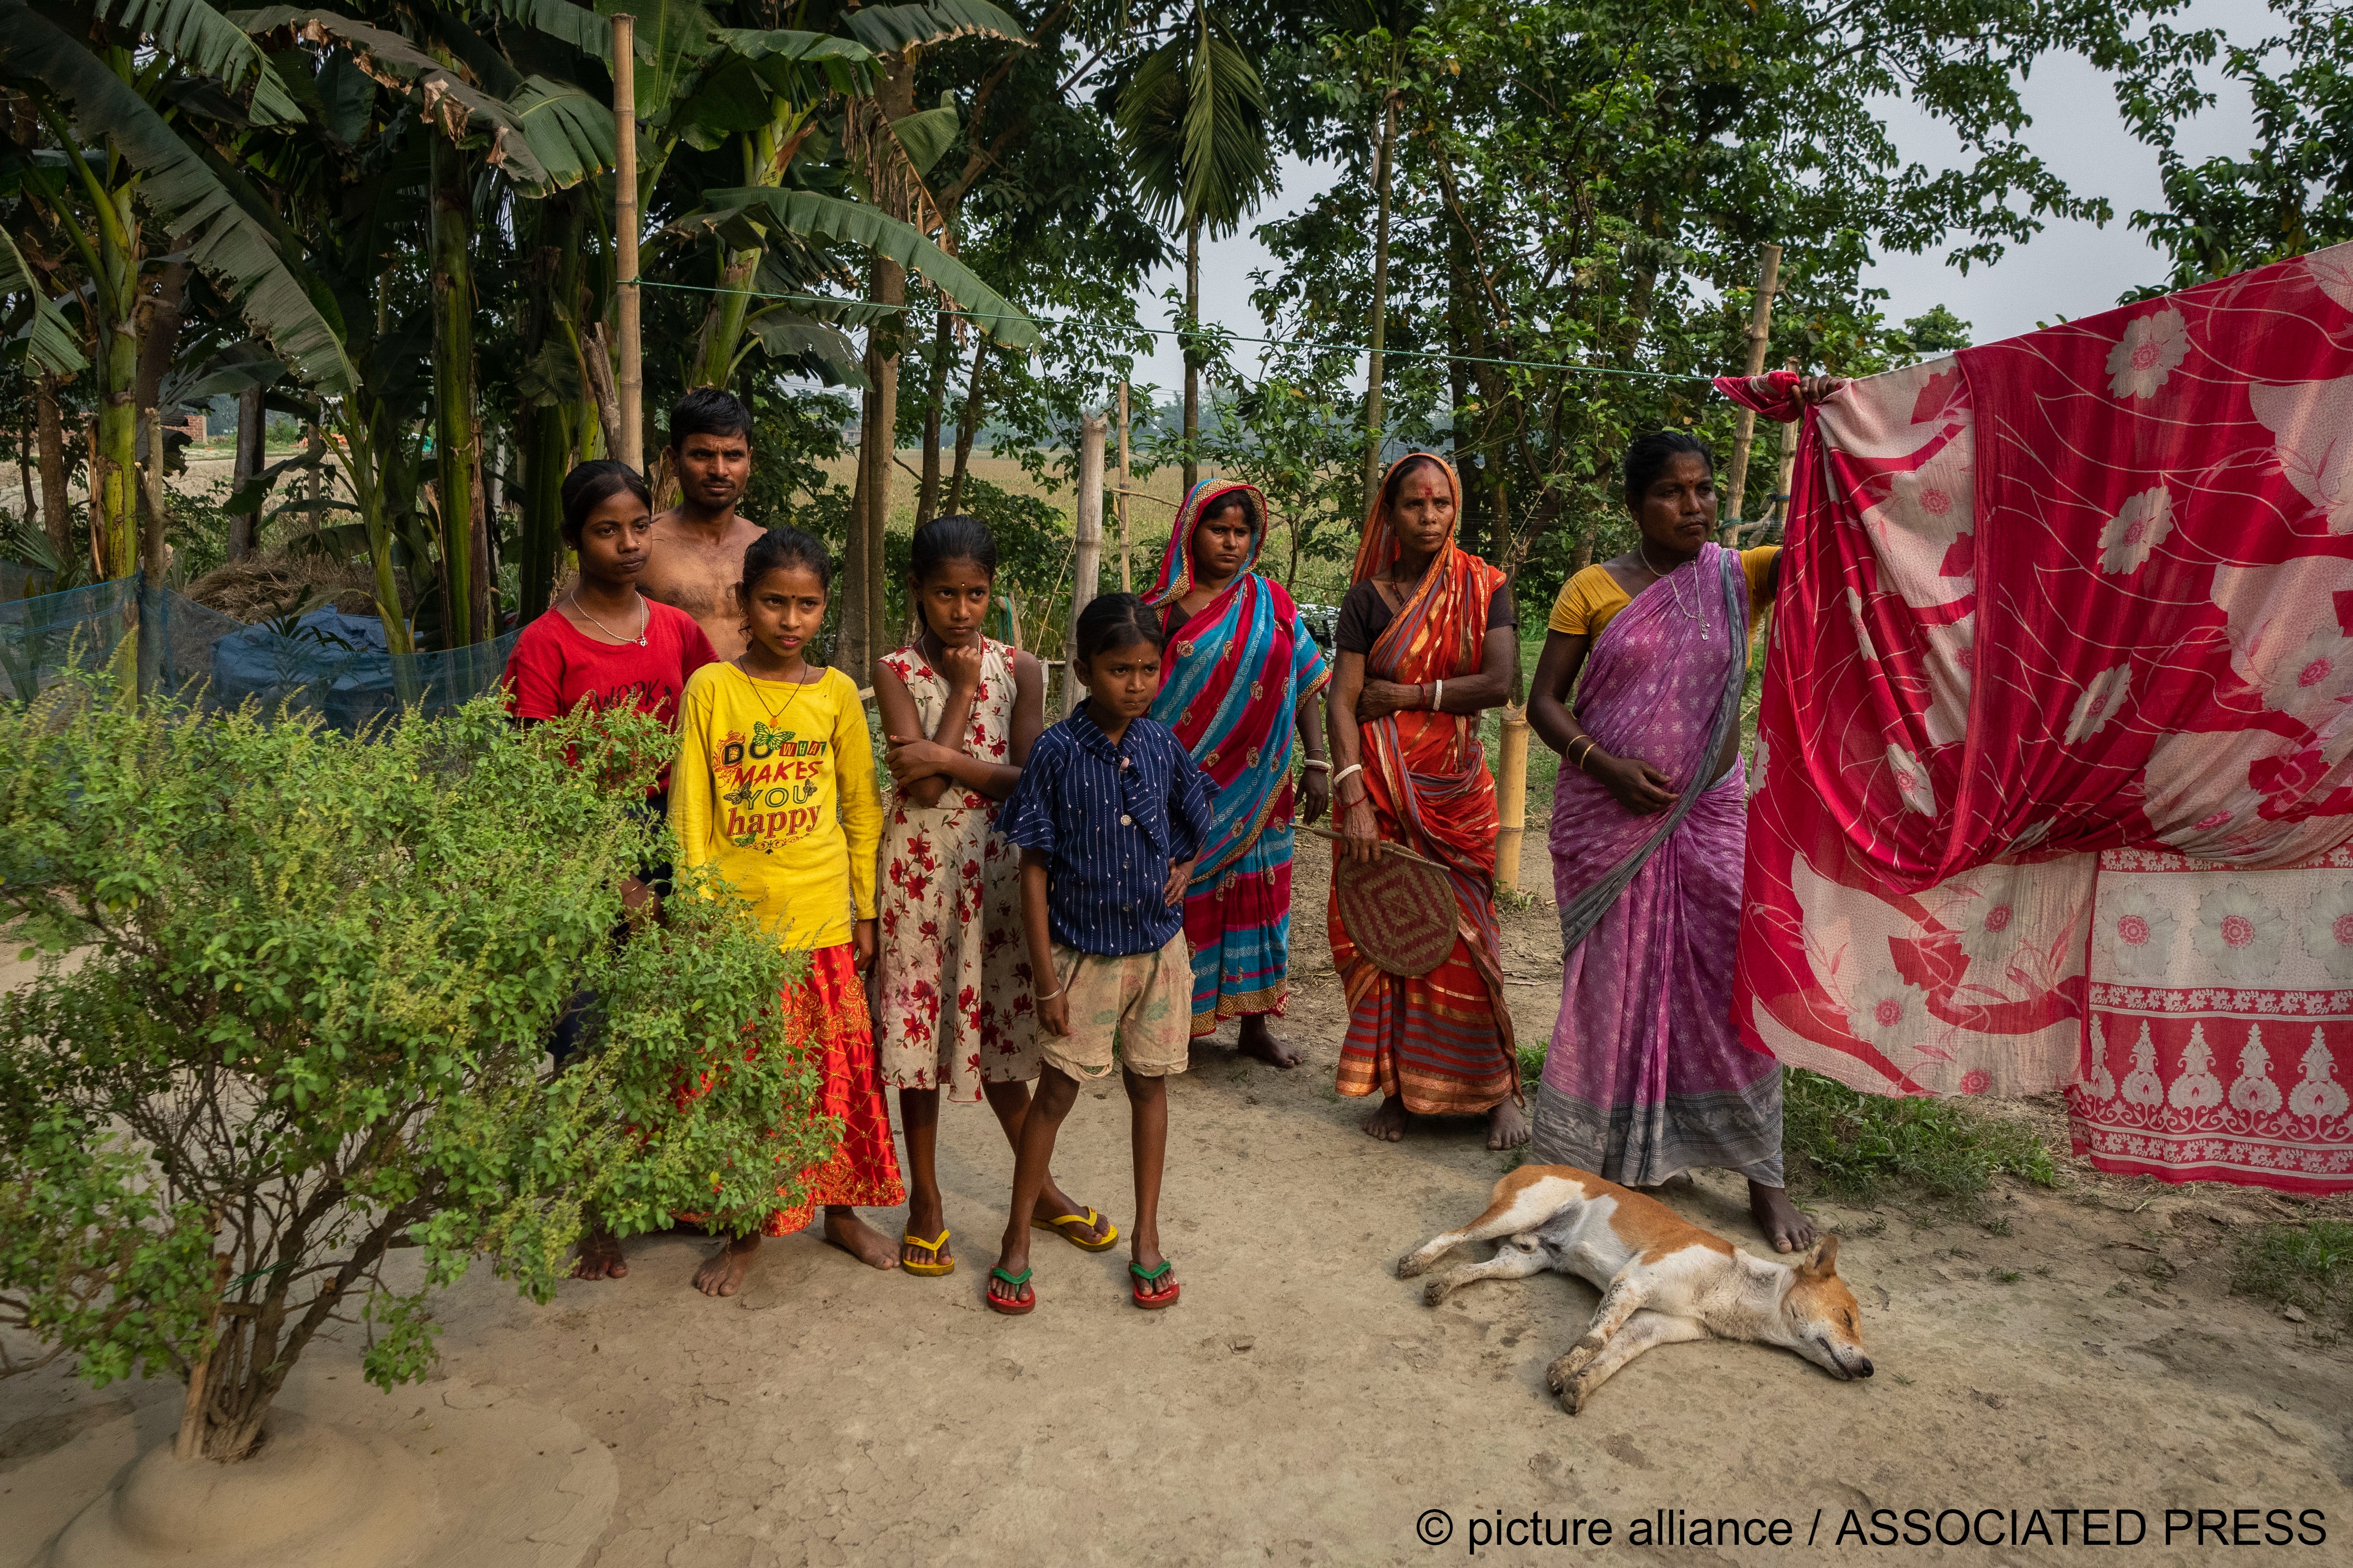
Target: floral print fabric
(954, 1009)
(2085, 592)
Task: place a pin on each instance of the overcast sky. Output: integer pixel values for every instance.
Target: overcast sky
(2069, 269)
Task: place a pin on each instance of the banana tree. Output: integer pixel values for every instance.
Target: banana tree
(104, 92)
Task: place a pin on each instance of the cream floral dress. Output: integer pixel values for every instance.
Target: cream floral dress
(954, 1009)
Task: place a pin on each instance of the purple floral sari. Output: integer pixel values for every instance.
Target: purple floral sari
(1646, 1076)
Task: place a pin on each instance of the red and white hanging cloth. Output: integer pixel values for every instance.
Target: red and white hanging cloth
(2056, 748)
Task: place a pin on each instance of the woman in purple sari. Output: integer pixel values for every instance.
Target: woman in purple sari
(1646, 1076)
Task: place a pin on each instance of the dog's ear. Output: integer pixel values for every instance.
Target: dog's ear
(1821, 1263)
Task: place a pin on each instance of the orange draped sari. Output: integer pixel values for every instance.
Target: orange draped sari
(1441, 1041)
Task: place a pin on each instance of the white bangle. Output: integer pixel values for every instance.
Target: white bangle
(1438, 703)
(1342, 776)
(1317, 765)
(1049, 996)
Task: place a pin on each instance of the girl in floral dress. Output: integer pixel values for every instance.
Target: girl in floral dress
(953, 1011)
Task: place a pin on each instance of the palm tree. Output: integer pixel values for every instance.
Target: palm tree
(1192, 122)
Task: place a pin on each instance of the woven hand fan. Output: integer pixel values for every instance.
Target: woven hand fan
(1400, 910)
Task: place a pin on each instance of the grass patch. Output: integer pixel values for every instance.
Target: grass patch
(2304, 1266)
(1860, 1146)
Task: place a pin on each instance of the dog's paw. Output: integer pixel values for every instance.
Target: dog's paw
(1434, 1294)
(1573, 1398)
(1413, 1263)
(1558, 1374)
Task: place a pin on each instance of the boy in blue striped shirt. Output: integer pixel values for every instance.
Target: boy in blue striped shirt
(1109, 815)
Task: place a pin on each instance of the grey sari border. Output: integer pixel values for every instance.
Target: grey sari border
(1580, 914)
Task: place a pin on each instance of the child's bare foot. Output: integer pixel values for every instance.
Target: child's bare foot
(722, 1272)
(599, 1257)
(926, 1217)
(1015, 1262)
(1507, 1128)
(1387, 1123)
(1261, 1041)
(845, 1230)
(1778, 1218)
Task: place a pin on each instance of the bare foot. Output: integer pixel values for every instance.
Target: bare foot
(1259, 1041)
(600, 1256)
(1507, 1128)
(722, 1272)
(1779, 1218)
(1387, 1123)
(845, 1230)
(926, 1218)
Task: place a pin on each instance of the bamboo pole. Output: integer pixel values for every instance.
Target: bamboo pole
(1744, 427)
(631, 381)
(1126, 561)
(1788, 462)
(1087, 570)
(1511, 803)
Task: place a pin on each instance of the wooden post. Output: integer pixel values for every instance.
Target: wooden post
(631, 380)
(1512, 797)
(1087, 567)
(1127, 562)
(1744, 427)
(1788, 462)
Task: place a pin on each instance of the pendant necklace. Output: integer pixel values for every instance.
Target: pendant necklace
(645, 619)
(775, 715)
(1674, 590)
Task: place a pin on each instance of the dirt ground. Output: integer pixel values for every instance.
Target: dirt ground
(2078, 1351)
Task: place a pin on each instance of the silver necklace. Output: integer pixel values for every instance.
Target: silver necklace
(645, 618)
(1674, 590)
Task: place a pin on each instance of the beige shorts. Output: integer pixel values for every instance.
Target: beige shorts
(1142, 1005)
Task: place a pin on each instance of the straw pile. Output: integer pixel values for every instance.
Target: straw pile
(275, 584)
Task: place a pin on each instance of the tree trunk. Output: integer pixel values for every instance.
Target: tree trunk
(927, 500)
(113, 476)
(868, 636)
(853, 649)
(542, 442)
(57, 504)
(252, 433)
(457, 459)
(967, 429)
(159, 330)
(1192, 361)
(1373, 421)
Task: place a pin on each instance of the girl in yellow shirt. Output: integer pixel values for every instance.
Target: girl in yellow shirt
(773, 789)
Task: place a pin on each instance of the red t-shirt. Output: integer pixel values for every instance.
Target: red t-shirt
(555, 666)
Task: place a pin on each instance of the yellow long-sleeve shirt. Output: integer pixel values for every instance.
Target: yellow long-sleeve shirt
(775, 787)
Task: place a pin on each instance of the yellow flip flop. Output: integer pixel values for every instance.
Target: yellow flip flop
(1089, 1220)
(935, 1267)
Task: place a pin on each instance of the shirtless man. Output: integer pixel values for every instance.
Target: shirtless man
(696, 556)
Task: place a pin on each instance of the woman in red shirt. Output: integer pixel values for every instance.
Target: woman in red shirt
(604, 643)
(607, 645)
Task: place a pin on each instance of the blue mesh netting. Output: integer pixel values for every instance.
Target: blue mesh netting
(325, 663)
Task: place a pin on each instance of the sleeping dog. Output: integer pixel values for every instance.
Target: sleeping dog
(1662, 1279)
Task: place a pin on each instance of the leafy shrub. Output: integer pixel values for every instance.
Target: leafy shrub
(1861, 1144)
(2306, 1265)
(316, 973)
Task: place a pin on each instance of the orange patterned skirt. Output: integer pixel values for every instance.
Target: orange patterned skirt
(827, 1009)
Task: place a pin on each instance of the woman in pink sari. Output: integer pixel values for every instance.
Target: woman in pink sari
(1646, 1076)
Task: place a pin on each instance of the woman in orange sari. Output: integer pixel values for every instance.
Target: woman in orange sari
(1426, 646)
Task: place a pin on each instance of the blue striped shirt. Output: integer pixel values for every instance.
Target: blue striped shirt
(1112, 820)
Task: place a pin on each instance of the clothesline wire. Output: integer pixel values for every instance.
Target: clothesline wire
(1171, 332)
